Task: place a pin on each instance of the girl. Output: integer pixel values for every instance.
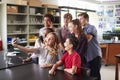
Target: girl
(38, 43)
(63, 31)
(48, 54)
(76, 29)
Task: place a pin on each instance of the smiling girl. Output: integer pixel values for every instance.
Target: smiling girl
(48, 54)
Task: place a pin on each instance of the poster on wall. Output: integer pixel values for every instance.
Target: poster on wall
(117, 6)
(110, 23)
(117, 12)
(117, 20)
(109, 11)
(101, 23)
(100, 11)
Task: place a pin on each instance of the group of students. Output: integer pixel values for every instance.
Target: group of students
(73, 45)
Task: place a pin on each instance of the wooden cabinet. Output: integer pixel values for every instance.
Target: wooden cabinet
(104, 48)
(109, 50)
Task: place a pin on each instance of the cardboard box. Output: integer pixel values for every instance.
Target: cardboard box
(24, 2)
(50, 5)
(12, 9)
(21, 2)
(34, 3)
(17, 1)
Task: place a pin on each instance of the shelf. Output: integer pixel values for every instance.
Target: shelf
(36, 7)
(17, 5)
(22, 42)
(32, 41)
(16, 23)
(10, 13)
(36, 24)
(16, 33)
(36, 15)
(34, 32)
(113, 33)
(56, 23)
(56, 16)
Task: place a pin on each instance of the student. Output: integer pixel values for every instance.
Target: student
(48, 54)
(71, 59)
(63, 32)
(48, 23)
(93, 51)
(76, 28)
(38, 43)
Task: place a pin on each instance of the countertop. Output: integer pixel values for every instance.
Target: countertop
(35, 72)
(108, 41)
(7, 61)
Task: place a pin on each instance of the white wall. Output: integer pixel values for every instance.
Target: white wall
(55, 2)
(72, 3)
(77, 3)
(3, 28)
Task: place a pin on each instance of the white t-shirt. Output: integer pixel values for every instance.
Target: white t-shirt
(46, 58)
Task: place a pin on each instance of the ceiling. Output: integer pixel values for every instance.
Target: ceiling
(102, 1)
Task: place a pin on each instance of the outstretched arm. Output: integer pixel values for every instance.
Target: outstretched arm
(27, 50)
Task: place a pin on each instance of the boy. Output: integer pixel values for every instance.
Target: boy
(71, 59)
(63, 31)
(94, 55)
